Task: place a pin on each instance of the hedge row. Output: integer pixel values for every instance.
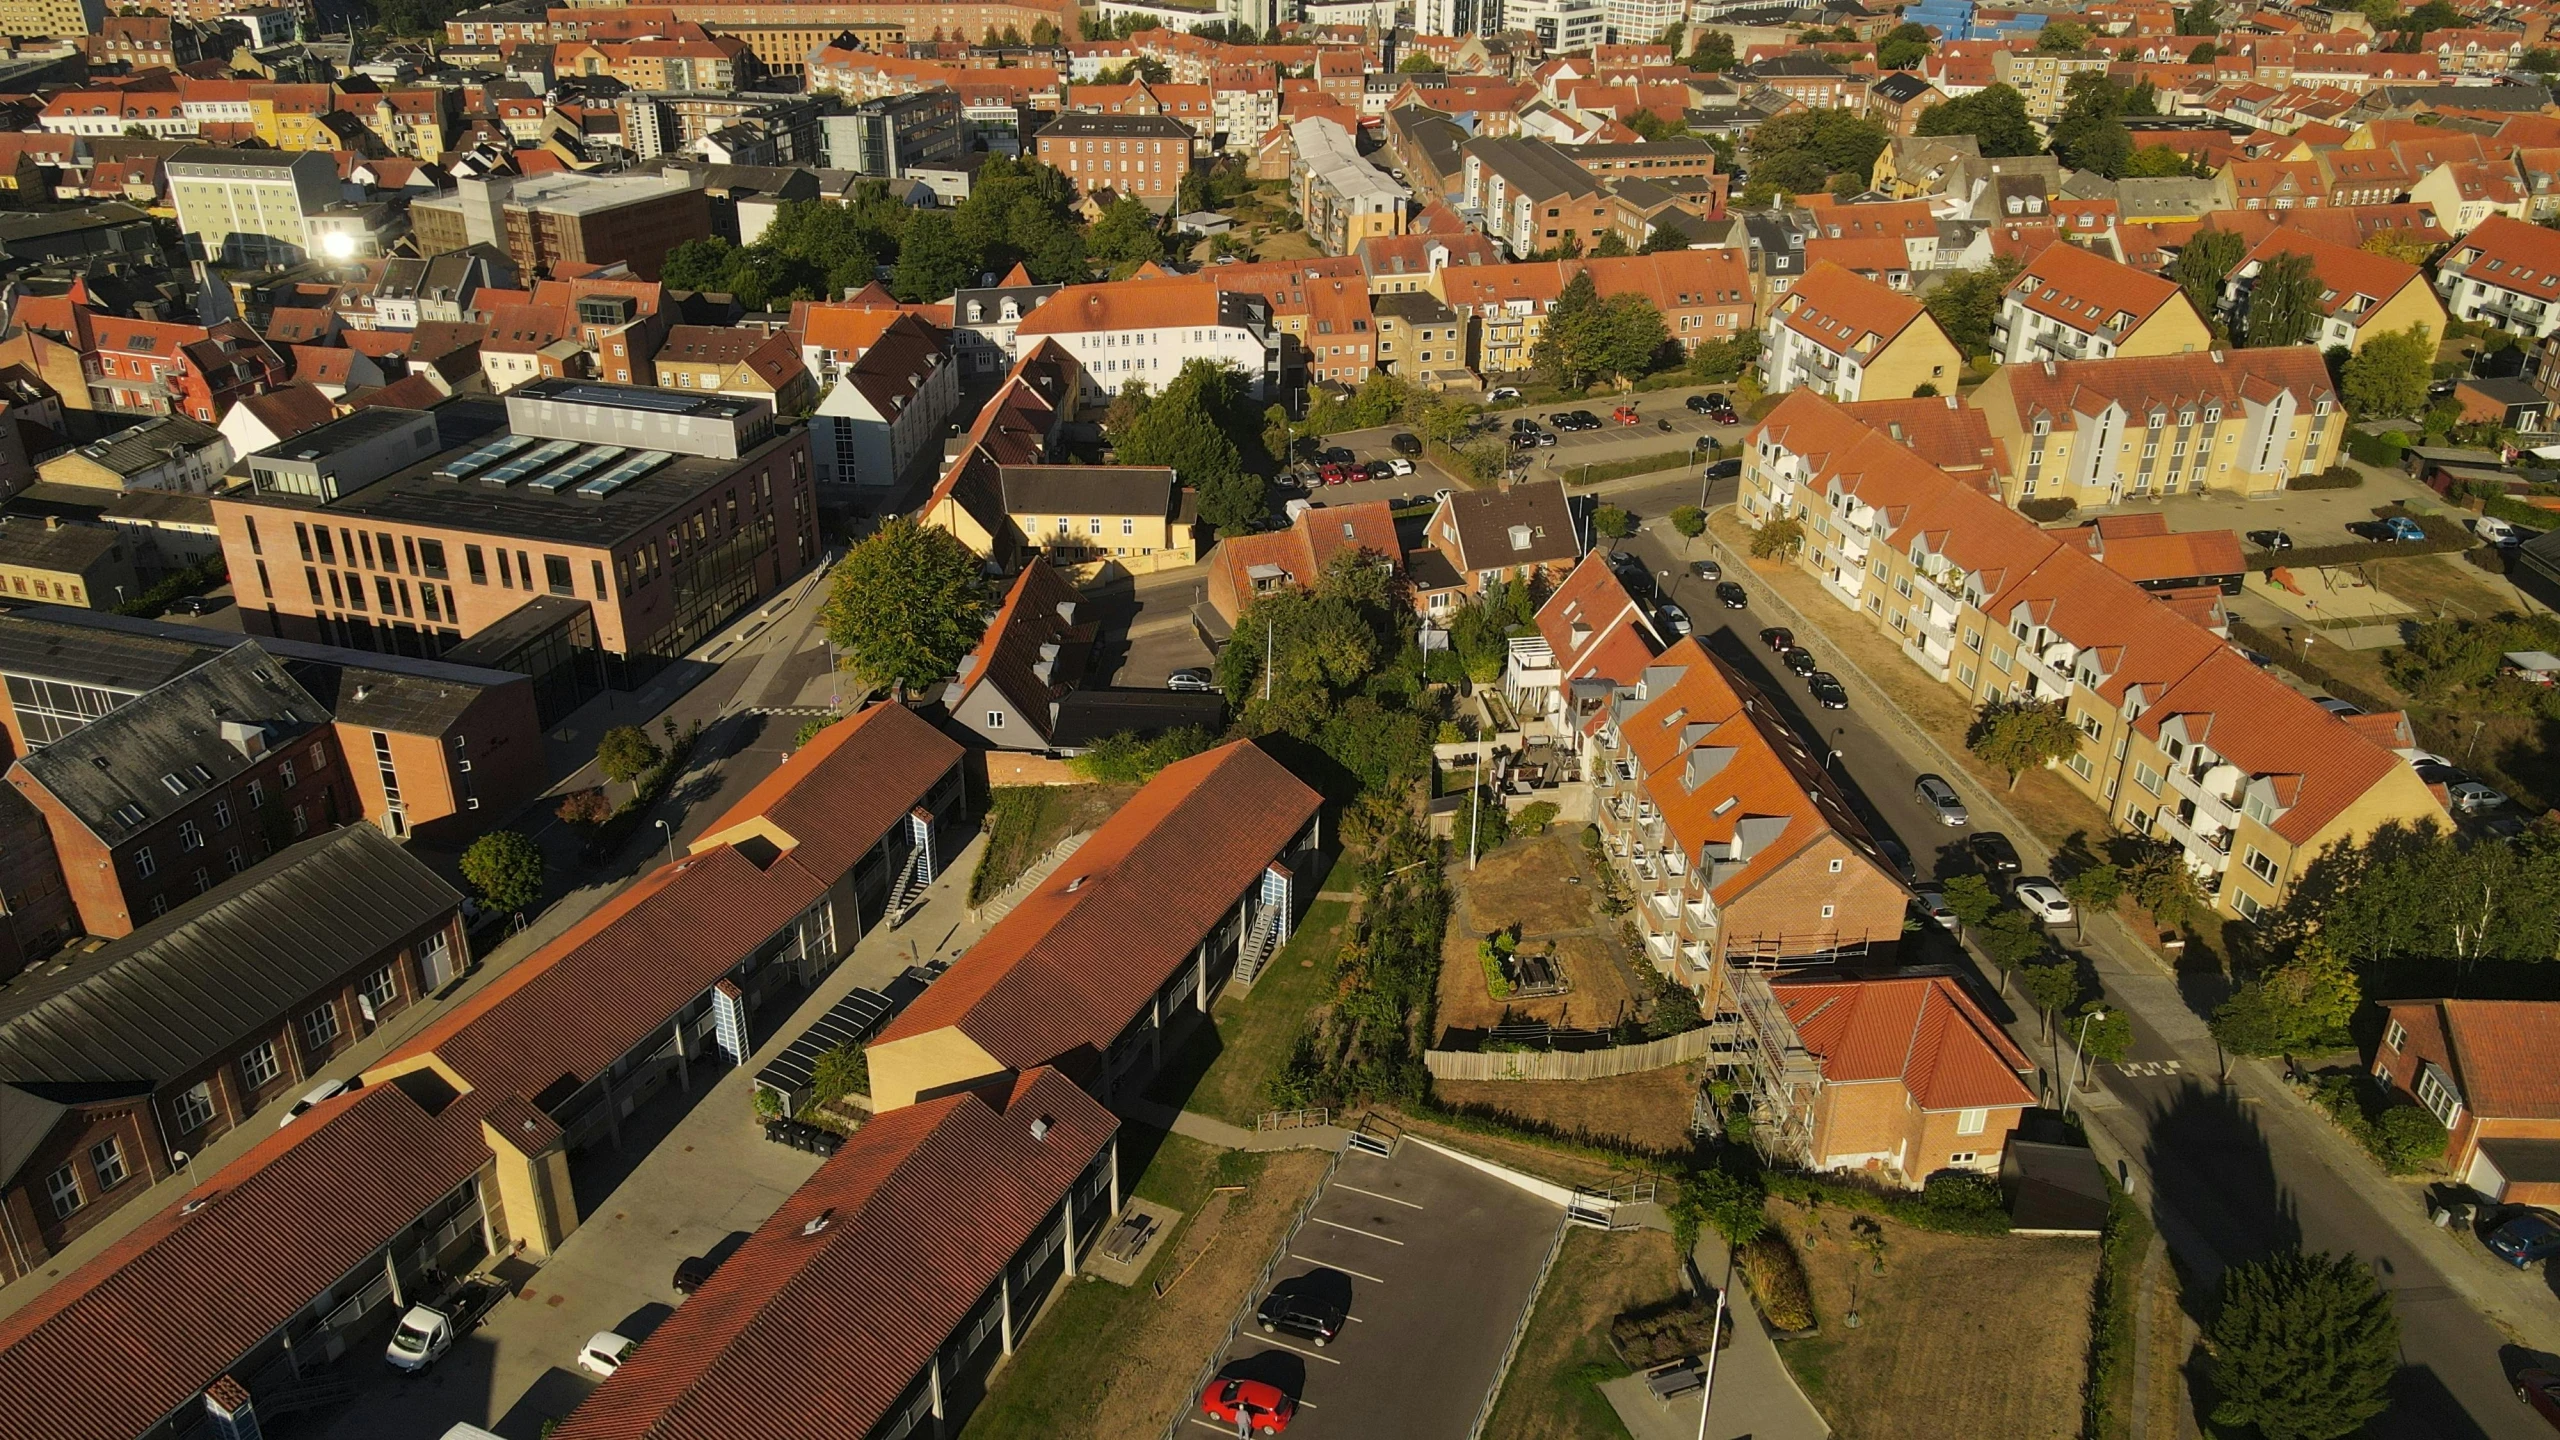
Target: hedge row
(1639, 465)
(2308, 668)
(2336, 477)
(2375, 449)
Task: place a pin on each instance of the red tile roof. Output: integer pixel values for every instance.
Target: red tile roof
(2501, 1052)
(2512, 255)
(1596, 629)
(1923, 1031)
(2087, 291)
(849, 785)
(2347, 274)
(1316, 536)
(1842, 312)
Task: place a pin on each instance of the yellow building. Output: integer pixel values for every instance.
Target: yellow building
(2362, 294)
(1085, 520)
(2043, 78)
(61, 19)
(2184, 739)
(56, 561)
(2075, 304)
(2097, 432)
(1845, 336)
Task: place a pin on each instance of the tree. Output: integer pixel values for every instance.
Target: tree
(1996, 116)
(1902, 47)
(2053, 988)
(2162, 883)
(1662, 237)
(907, 602)
(1586, 337)
(2541, 60)
(2010, 938)
(1690, 521)
(2154, 162)
(625, 753)
(2103, 1036)
(1128, 234)
(2200, 18)
(1610, 522)
(1801, 152)
(1776, 538)
(2389, 375)
(2203, 54)
(2022, 735)
(1419, 63)
(2096, 887)
(2302, 1004)
(1713, 53)
(933, 260)
(1611, 244)
(2399, 247)
(2305, 1347)
(1967, 303)
(506, 868)
(2063, 37)
(2204, 262)
(1970, 897)
(2284, 303)
(2089, 134)
(1192, 427)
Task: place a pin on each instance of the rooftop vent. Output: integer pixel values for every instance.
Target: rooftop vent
(819, 1221)
(1076, 884)
(1040, 1128)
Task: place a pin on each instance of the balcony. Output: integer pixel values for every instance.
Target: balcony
(1845, 584)
(2208, 851)
(2039, 665)
(2219, 805)
(1929, 654)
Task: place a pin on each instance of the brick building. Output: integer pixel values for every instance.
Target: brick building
(1144, 156)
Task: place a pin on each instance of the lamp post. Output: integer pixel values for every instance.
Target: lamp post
(1715, 1334)
(2071, 1080)
(671, 841)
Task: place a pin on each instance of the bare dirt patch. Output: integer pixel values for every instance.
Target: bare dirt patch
(1646, 1111)
(1537, 884)
(1544, 886)
(1960, 1337)
(1551, 1392)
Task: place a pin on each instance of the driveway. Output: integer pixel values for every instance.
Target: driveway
(1438, 1262)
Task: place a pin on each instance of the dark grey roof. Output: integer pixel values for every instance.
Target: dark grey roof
(1901, 87)
(53, 543)
(1437, 136)
(85, 656)
(1534, 167)
(1087, 489)
(34, 225)
(186, 987)
(1796, 64)
(387, 700)
(1085, 716)
(118, 761)
(1528, 524)
(1415, 307)
(153, 442)
(1777, 242)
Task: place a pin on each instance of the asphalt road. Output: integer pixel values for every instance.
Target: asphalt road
(2242, 1173)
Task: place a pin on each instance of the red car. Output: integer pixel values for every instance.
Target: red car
(2540, 1389)
(1626, 415)
(1235, 1404)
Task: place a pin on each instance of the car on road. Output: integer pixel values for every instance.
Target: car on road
(2270, 539)
(1798, 659)
(2540, 1389)
(1826, 690)
(1404, 443)
(1674, 619)
(1732, 596)
(604, 1353)
(2044, 900)
(1941, 798)
(1699, 405)
(1399, 467)
(693, 1272)
(1707, 445)
(1236, 1405)
(2528, 1237)
(2336, 706)
(193, 605)
(1707, 570)
(1933, 905)
(325, 1090)
(1724, 469)
(421, 1338)
(1302, 1308)
(1992, 851)
(1779, 639)
(1500, 393)
(2471, 797)
(1901, 858)
(1195, 677)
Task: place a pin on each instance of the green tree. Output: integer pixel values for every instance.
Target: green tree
(2154, 162)
(2284, 303)
(2010, 938)
(1418, 63)
(1689, 520)
(1611, 522)
(2305, 1347)
(906, 603)
(2162, 883)
(1193, 428)
(1712, 54)
(1586, 337)
(2540, 60)
(933, 260)
(2203, 54)
(2103, 1036)
(506, 868)
(2063, 37)
(1127, 235)
(1662, 237)
(1996, 116)
(2022, 735)
(2389, 375)
(1967, 303)
(2204, 262)
(2089, 134)
(2095, 887)
(2200, 18)
(1903, 47)
(625, 753)
(2302, 1004)
(1611, 244)
(1776, 538)
(1971, 898)
(2054, 988)
(1800, 152)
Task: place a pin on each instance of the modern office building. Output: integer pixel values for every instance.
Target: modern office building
(893, 133)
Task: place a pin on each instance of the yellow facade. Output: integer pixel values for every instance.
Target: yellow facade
(2414, 305)
(2155, 463)
(1084, 545)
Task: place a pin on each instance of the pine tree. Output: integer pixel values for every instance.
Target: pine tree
(2305, 1347)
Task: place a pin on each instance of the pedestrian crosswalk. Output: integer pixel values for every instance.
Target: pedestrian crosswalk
(2149, 1069)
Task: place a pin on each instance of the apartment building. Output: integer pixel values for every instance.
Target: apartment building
(1149, 329)
(1342, 198)
(889, 135)
(984, 321)
(155, 1045)
(549, 220)
(2100, 432)
(58, 19)
(2505, 274)
(2362, 294)
(1532, 196)
(2043, 78)
(1851, 338)
(886, 407)
(250, 209)
(1021, 425)
(2074, 304)
(1701, 295)
(1477, 540)
(664, 513)
(726, 360)
(72, 562)
(2463, 193)
(1242, 567)
(1142, 156)
(2186, 740)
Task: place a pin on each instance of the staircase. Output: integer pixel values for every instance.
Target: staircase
(1041, 869)
(1259, 945)
(908, 893)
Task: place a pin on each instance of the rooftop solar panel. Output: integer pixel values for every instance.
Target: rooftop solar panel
(624, 473)
(484, 457)
(525, 464)
(577, 469)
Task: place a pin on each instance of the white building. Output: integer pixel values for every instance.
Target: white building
(251, 208)
(886, 409)
(1149, 329)
(1560, 25)
(2505, 273)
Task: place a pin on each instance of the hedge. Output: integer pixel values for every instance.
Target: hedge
(1778, 1282)
(2048, 509)
(2375, 449)
(1640, 465)
(2336, 477)
(2444, 537)
(2309, 669)
(1952, 1203)
(2402, 1138)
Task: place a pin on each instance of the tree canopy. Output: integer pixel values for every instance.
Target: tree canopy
(506, 868)
(2305, 1347)
(1903, 46)
(2417, 896)
(2090, 133)
(1995, 115)
(1800, 152)
(906, 603)
(1967, 303)
(1588, 338)
(2204, 262)
(2063, 37)
(2284, 303)
(1330, 678)
(2389, 375)
(1198, 426)
(2022, 735)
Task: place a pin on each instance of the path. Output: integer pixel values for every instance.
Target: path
(1756, 1397)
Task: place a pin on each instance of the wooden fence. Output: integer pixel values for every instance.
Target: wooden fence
(1572, 1064)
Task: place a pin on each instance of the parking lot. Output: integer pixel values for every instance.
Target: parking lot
(1437, 1261)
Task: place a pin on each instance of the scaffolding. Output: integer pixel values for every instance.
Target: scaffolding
(1772, 1069)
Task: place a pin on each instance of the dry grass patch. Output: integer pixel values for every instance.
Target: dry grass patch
(1537, 884)
(1646, 1111)
(1960, 1337)
(2443, 584)
(1552, 1391)
(1547, 1162)
(1023, 821)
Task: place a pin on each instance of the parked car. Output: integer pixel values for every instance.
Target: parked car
(1383, 469)
(2434, 772)
(1724, 469)
(1992, 851)
(1337, 455)
(2528, 1237)
(1732, 596)
(1674, 619)
(204, 604)
(2336, 706)
(2496, 531)
(2402, 528)
(1826, 690)
(1699, 405)
(1259, 1405)
(1901, 858)
(1546, 438)
(2471, 797)
(1707, 445)
(1799, 660)
(1707, 570)
(1399, 467)
(1626, 415)
(604, 1353)
(1561, 419)
(1302, 1308)
(1585, 420)
(325, 1090)
(2270, 539)
(1404, 444)
(1933, 905)
(1940, 797)
(1525, 439)
(2044, 900)
(2540, 1389)
(421, 1338)
(1716, 401)
(692, 1272)
(1522, 424)
(1500, 393)
(1196, 677)
(1779, 639)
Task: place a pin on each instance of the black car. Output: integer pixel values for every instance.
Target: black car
(1901, 859)
(1309, 448)
(1700, 405)
(1585, 420)
(1523, 423)
(1337, 455)
(1779, 639)
(1707, 445)
(192, 605)
(1527, 439)
(1993, 852)
(1404, 444)
(1561, 419)
(2435, 774)
(1798, 659)
(692, 1271)
(1826, 690)
(1381, 470)
(2271, 539)
(1732, 596)
(1724, 469)
(1303, 1307)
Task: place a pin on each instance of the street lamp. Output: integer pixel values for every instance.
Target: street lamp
(671, 841)
(1715, 1335)
(2070, 1080)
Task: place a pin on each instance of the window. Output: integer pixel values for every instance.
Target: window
(189, 837)
(192, 1109)
(107, 1158)
(259, 1066)
(1961, 1157)
(2436, 1093)
(2395, 1037)
(2146, 777)
(1826, 912)
(2248, 906)
(222, 814)
(143, 863)
(1836, 867)
(995, 719)
(473, 562)
(2259, 865)
(63, 1188)
(1973, 1122)
(286, 773)
(383, 986)
(319, 1028)
(257, 795)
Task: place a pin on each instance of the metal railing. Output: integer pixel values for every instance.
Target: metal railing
(1315, 1119)
(1519, 1331)
(1253, 1293)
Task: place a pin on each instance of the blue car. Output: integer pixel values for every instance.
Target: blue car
(2526, 1238)
(2401, 527)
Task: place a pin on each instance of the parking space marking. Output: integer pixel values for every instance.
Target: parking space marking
(1374, 1195)
(1354, 1229)
(1294, 1350)
(1329, 1265)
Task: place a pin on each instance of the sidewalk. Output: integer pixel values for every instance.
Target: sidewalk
(1756, 1398)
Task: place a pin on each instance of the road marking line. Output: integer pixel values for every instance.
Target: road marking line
(1329, 1265)
(1374, 1195)
(1354, 1229)
(1294, 1350)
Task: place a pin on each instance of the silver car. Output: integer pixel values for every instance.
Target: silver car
(1940, 797)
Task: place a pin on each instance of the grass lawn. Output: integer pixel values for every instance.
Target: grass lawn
(1023, 821)
(1553, 1391)
(1647, 1111)
(1221, 1073)
(1107, 1361)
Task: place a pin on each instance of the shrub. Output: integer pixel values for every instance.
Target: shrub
(2383, 449)
(1495, 955)
(1534, 819)
(1778, 1282)
(2402, 1138)
(586, 807)
(1962, 1204)
(2044, 510)
(1777, 538)
(2336, 477)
